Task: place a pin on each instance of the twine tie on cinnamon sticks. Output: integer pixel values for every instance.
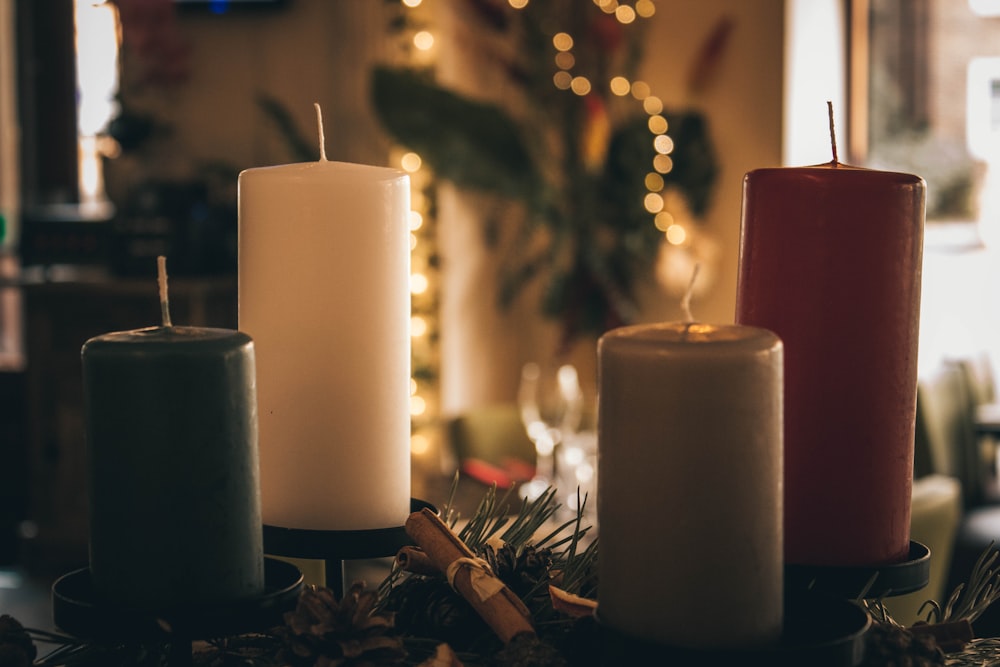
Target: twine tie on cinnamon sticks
(501, 609)
(481, 577)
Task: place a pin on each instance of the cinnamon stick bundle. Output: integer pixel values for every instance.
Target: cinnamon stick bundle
(498, 606)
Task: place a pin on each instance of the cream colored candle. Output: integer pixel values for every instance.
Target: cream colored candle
(324, 264)
(689, 492)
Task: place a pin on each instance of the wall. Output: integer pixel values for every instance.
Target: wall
(322, 51)
(307, 51)
(483, 349)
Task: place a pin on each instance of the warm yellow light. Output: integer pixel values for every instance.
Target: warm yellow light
(518, 4)
(663, 144)
(663, 220)
(417, 200)
(562, 80)
(652, 105)
(410, 162)
(640, 90)
(418, 326)
(419, 444)
(565, 60)
(416, 220)
(645, 8)
(413, 242)
(413, 386)
(653, 202)
(624, 14)
(663, 164)
(412, 3)
(562, 41)
(620, 85)
(676, 234)
(657, 124)
(418, 406)
(654, 182)
(418, 283)
(607, 6)
(423, 40)
(580, 85)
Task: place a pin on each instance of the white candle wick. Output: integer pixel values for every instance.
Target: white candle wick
(322, 137)
(161, 279)
(833, 135)
(686, 301)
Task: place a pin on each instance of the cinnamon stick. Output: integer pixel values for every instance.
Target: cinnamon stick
(496, 604)
(413, 559)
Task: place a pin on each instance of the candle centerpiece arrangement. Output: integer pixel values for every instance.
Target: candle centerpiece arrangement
(171, 417)
(689, 497)
(830, 260)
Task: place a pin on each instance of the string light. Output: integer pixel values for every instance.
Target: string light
(416, 220)
(417, 46)
(563, 79)
(663, 220)
(423, 40)
(620, 86)
(676, 234)
(418, 283)
(410, 162)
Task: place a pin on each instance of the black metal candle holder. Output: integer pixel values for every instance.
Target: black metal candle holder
(869, 581)
(817, 630)
(80, 611)
(337, 546)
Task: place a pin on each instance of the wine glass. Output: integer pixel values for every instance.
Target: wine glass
(551, 404)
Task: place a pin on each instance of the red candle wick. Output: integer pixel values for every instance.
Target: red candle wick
(833, 134)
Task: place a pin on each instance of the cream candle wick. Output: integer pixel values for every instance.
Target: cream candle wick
(322, 137)
(833, 135)
(161, 279)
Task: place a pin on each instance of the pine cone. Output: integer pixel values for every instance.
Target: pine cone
(522, 572)
(889, 645)
(429, 607)
(323, 631)
(16, 647)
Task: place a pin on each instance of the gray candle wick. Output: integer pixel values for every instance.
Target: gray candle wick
(161, 279)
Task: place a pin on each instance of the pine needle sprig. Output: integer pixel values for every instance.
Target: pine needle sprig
(983, 589)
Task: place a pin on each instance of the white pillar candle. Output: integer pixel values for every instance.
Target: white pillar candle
(324, 268)
(689, 492)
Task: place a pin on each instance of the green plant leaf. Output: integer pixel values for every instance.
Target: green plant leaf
(473, 144)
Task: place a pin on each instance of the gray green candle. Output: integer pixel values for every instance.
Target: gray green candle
(173, 471)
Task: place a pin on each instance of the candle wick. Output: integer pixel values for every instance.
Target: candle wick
(833, 134)
(686, 301)
(322, 137)
(161, 279)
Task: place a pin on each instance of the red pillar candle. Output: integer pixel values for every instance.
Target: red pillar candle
(830, 260)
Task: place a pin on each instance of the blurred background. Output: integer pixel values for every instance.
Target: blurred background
(572, 161)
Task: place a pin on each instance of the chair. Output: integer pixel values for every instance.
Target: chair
(491, 444)
(945, 412)
(935, 515)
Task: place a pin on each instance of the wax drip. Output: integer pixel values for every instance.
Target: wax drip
(833, 135)
(161, 279)
(686, 301)
(322, 137)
